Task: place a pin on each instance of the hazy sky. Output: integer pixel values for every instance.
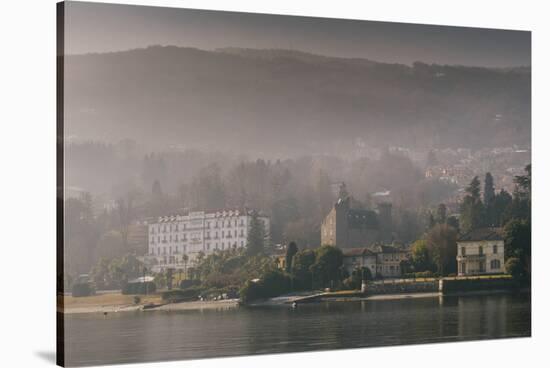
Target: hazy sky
(95, 27)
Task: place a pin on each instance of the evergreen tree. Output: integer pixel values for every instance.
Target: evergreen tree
(256, 235)
(491, 218)
(441, 213)
(488, 190)
(502, 207)
(431, 221)
(471, 209)
(291, 250)
(520, 207)
(441, 244)
(517, 242)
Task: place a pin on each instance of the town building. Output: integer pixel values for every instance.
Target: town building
(176, 241)
(346, 227)
(381, 260)
(480, 251)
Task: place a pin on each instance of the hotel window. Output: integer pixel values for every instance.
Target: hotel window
(495, 249)
(463, 251)
(495, 264)
(480, 250)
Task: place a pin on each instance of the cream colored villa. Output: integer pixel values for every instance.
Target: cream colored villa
(480, 251)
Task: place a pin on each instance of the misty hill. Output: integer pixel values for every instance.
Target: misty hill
(290, 101)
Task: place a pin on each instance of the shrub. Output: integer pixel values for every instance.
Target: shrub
(83, 289)
(137, 299)
(184, 284)
(272, 283)
(139, 288)
(182, 295)
(419, 275)
(514, 268)
(349, 284)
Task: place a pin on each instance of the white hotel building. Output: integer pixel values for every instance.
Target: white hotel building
(173, 236)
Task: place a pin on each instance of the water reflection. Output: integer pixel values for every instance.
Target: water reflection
(133, 337)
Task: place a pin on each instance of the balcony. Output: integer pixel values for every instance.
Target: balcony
(471, 257)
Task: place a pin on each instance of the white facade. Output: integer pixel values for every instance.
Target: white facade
(172, 237)
(480, 257)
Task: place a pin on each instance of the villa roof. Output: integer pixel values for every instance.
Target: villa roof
(355, 252)
(485, 233)
(388, 249)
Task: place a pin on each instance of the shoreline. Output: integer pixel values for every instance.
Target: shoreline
(280, 301)
(194, 305)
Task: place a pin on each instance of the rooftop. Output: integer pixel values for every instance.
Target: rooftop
(485, 233)
(355, 252)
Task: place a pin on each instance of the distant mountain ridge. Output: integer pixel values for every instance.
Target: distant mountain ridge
(287, 100)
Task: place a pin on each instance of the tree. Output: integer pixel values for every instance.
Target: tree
(488, 190)
(501, 208)
(517, 242)
(515, 268)
(453, 221)
(520, 207)
(524, 182)
(431, 221)
(169, 278)
(421, 257)
(301, 268)
(256, 235)
(125, 210)
(471, 208)
(441, 213)
(208, 189)
(489, 198)
(291, 250)
(328, 264)
(441, 243)
(185, 259)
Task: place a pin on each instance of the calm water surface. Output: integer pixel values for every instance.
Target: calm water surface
(138, 337)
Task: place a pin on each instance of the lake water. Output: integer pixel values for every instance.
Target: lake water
(153, 336)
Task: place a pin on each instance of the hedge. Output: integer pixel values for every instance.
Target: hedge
(182, 295)
(139, 288)
(84, 289)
